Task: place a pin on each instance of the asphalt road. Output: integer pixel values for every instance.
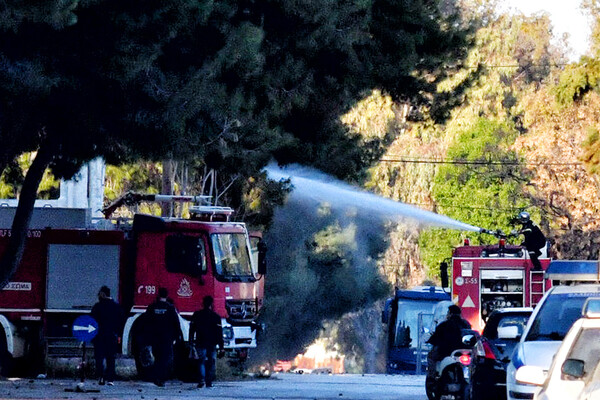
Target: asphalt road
(278, 387)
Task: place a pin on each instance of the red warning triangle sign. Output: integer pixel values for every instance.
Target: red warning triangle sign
(468, 303)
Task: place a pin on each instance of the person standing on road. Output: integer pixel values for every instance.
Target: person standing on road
(109, 316)
(206, 334)
(164, 322)
(534, 239)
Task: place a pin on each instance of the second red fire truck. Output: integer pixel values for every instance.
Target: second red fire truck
(68, 258)
(486, 277)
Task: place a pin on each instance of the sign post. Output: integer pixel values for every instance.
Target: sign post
(85, 328)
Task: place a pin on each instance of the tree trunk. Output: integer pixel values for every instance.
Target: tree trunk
(14, 251)
(167, 186)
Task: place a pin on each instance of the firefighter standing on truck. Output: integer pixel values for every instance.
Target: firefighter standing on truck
(163, 321)
(534, 239)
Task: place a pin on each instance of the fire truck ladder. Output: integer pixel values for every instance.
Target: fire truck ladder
(131, 198)
(537, 287)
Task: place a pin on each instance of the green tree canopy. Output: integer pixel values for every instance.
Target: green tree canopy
(485, 181)
(232, 83)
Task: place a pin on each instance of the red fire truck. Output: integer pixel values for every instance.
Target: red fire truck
(487, 277)
(68, 258)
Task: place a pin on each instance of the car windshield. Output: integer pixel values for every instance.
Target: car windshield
(505, 320)
(407, 322)
(557, 315)
(231, 255)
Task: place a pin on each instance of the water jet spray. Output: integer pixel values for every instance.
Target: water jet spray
(321, 188)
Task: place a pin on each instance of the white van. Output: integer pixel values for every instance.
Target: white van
(551, 320)
(574, 361)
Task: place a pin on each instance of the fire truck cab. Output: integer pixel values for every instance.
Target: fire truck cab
(487, 277)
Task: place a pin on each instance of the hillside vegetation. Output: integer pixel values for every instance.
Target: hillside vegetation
(522, 138)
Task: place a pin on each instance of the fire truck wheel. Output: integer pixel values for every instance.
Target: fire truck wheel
(6, 361)
(144, 373)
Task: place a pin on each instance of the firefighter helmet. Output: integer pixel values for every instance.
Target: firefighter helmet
(523, 217)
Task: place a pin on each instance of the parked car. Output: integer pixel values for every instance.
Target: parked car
(322, 370)
(575, 360)
(492, 352)
(551, 320)
(301, 370)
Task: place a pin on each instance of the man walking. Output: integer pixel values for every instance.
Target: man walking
(206, 334)
(109, 316)
(164, 323)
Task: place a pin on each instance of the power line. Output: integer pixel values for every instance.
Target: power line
(410, 160)
(508, 66)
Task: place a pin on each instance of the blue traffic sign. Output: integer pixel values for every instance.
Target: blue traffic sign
(85, 328)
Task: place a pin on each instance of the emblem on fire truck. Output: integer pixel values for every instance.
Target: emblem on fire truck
(185, 289)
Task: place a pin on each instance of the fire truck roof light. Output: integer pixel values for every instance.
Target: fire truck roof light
(212, 211)
(467, 242)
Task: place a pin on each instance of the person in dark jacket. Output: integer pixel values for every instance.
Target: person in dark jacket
(109, 316)
(534, 239)
(164, 323)
(206, 334)
(447, 337)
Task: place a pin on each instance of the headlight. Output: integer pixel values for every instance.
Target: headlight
(228, 332)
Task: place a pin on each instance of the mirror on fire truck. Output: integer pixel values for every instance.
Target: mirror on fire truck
(259, 252)
(444, 274)
(262, 257)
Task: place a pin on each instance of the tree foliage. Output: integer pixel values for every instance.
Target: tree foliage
(230, 83)
(513, 56)
(485, 182)
(577, 79)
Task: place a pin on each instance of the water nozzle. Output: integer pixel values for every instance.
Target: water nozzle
(483, 230)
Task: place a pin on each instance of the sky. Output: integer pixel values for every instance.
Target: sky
(566, 16)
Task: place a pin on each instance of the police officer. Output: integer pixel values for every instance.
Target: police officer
(164, 323)
(206, 334)
(534, 239)
(109, 316)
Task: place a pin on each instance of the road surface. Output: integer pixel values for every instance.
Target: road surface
(278, 387)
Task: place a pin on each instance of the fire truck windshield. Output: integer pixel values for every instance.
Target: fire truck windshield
(232, 259)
